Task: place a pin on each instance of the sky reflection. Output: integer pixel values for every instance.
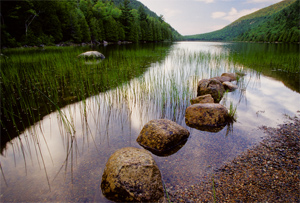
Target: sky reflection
(50, 163)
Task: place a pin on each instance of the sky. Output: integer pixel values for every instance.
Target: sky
(190, 17)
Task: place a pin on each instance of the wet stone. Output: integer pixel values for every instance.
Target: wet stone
(211, 86)
(206, 115)
(203, 99)
(132, 175)
(161, 136)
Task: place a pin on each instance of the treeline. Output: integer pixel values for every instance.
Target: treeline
(33, 22)
(276, 23)
(279, 27)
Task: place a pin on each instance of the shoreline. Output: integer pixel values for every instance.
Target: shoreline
(267, 172)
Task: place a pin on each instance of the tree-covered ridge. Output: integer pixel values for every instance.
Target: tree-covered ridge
(276, 23)
(31, 22)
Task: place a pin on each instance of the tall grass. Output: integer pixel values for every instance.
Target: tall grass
(36, 82)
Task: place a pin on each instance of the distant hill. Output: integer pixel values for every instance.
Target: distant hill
(276, 23)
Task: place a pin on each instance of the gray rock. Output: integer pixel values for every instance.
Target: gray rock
(131, 175)
(92, 54)
(211, 86)
(162, 135)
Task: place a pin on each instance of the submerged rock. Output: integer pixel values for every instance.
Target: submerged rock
(229, 86)
(206, 115)
(202, 99)
(211, 86)
(92, 54)
(160, 136)
(131, 175)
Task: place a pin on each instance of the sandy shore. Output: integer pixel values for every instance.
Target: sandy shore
(268, 172)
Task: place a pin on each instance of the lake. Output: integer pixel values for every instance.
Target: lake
(62, 117)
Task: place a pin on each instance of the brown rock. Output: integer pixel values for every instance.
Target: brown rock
(203, 99)
(211, 86)
(162, 135)
(206, 115)
(223, 79)
(131, 175)
(232, 76)
(229, 86)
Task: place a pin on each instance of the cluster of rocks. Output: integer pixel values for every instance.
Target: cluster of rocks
(206, 113)
(131, 174)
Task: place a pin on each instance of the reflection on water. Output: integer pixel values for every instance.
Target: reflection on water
(50, 162)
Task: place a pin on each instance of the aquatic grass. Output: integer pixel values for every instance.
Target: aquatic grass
(36, 82)
(232, 113)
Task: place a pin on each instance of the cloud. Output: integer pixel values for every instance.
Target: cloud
(206, 1)
(233, 14)
(215, 15)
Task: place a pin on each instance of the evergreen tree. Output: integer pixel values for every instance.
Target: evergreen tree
(126, 18)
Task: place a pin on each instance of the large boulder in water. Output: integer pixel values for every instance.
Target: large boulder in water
(206, 115)
(131, 175)
(92, 54)
(160, 136)
(211, 86)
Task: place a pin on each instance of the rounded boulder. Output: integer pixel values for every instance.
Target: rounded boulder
(202, 99)
(211, 86)
(131, 175)
(160, 136)
(206, 115)
(92, 54)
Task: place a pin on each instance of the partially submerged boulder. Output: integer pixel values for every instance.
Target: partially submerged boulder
(232, 76)
(229, 86)
(202, 99)
(92, 54)
(206, 115)
(162, 135)
(211, 86)
(131, 175)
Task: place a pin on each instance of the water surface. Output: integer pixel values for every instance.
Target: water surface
(50, 161)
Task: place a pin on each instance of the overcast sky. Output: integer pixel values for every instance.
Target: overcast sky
(190, 17)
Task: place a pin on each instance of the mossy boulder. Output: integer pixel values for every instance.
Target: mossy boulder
(162, 135)
(131, 175)
(206, 115)
(211, 86)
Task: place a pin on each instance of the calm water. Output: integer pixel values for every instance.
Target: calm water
(47, 162)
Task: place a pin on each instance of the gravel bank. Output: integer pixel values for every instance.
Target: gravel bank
(268, 172)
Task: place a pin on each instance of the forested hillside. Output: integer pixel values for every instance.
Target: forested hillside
(32, 22)
(276, 23)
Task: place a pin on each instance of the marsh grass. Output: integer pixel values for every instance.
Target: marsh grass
(36, 82)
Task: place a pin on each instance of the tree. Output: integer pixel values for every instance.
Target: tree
(126, 18)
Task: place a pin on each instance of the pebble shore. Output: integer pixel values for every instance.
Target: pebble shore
(268, 172)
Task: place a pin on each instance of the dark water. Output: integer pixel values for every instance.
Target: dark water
(50, 162)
